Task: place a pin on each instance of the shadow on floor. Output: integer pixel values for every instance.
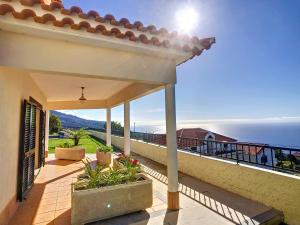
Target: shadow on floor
(60, 162)
(233, 207)
(28, 208)
(171, 217)
(140, 218)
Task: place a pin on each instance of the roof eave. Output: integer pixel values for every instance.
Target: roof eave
(81, 37)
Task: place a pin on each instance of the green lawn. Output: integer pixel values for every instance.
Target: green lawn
(89, 143)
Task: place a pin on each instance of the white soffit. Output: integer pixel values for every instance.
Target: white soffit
(68, 88)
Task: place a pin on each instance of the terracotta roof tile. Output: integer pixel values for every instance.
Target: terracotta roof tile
(201, 134)
(31, 2)
(5, 8)
(63, 22)
(164, 38)
(45, 18)
(52, 6)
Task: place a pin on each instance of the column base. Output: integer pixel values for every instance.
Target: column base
(173, 200)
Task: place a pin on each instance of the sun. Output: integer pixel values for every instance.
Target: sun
(186, 19)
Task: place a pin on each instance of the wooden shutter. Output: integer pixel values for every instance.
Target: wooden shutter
(27, 149)
(42, 139)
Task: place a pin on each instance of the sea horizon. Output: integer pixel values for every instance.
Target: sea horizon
(285, 134)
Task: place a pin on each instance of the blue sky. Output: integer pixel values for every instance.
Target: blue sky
(251, 73)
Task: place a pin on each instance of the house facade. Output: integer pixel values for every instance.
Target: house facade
(200, 139)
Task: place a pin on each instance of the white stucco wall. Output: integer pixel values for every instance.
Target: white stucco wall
(14, 87)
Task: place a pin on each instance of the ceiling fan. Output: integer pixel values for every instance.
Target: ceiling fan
(82, 98)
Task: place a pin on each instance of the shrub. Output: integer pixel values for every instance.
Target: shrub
(99, 177)
(105, 149)
(65, 145)
(279, 155)
(128, 162)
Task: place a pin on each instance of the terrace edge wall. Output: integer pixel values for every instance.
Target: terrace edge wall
(15, 86)
(274, 189)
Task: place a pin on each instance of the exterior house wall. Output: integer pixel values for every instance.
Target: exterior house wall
(274, 189)
(14, 87)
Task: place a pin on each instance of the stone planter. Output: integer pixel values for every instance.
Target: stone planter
(107, 202)
(75, 153)
(104, 159)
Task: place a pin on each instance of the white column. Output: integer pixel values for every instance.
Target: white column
(108, 127)
(127, 128)
(172, 164)
(47, 132)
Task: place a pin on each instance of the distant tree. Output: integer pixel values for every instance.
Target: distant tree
(116, 126)
(54, 124)
(279, 155)
(293, 160)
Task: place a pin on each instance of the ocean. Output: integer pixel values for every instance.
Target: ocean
(278, 133)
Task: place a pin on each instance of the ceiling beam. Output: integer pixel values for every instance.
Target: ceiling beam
(88, 104)
(129, 93)
(132, 92)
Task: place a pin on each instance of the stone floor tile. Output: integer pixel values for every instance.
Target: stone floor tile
(49, 201)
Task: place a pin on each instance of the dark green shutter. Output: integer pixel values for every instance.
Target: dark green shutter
(42, 139)
(27, 149)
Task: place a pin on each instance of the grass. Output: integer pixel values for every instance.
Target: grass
(89, 143)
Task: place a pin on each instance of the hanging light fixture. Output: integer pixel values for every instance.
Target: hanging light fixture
(82, 98)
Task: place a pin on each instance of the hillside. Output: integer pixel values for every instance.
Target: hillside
(70, 121)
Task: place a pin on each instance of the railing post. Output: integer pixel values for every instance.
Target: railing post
(237, 154)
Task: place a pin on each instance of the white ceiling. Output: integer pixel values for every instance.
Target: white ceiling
(68, 88)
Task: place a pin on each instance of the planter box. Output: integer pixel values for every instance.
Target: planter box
(106, 202)
(104, 159)
(75, 153)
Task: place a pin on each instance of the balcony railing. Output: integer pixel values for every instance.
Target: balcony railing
(261, 155)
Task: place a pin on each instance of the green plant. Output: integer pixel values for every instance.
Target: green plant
(65, 145)
(129, 162)
(98, 176)
(76, 135)
(105, 149)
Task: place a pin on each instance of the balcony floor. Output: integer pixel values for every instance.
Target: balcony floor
(49, 201)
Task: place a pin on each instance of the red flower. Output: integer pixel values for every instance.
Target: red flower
(134, 161)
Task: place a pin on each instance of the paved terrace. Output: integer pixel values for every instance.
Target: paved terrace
(49, 201)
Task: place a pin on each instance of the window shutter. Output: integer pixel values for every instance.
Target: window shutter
(27, 150)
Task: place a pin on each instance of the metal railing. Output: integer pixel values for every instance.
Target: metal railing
(261, 155)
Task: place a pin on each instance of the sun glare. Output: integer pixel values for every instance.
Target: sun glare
(186, 19)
